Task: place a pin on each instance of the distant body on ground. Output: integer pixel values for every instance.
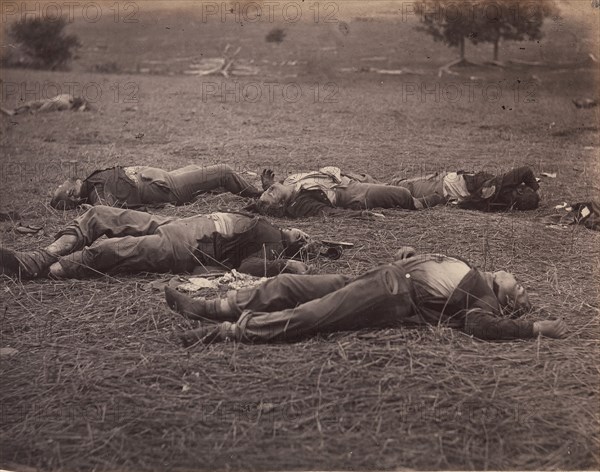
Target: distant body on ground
(60, 102)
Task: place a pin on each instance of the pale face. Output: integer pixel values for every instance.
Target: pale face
(68, 195)
(510, 292)
(276, 194)
(294, 235)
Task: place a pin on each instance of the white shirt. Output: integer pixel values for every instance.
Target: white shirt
(455, 187)
(439, 275)
(224, 223)
(326, 179)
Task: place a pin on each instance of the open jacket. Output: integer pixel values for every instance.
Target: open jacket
(131, 187)
(473, 308)
(256, 247)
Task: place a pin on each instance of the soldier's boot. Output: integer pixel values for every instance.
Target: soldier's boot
(64, 245)
(196, 309)
(26, 265)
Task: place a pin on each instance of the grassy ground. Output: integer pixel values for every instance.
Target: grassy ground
(98, 383)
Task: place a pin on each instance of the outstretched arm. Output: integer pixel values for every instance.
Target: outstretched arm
(484, 325)
(260, 267)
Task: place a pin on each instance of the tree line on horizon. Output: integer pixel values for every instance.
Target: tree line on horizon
(43, 43)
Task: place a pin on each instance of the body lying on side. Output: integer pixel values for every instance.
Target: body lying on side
(139, 242)
(516, 189)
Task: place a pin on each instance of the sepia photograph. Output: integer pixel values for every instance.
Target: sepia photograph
(301, 235)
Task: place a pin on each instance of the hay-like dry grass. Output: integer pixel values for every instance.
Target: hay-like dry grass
(98, 382)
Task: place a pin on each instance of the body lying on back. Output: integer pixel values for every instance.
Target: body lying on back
(328, 191)
(136, 186)
(428, 289)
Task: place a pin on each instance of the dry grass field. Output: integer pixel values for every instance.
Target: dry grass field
(98, 382)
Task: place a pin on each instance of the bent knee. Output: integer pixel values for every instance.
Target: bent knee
(100, 210)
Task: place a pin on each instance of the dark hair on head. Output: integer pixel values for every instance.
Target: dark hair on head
(525, 198)
(78, 102)
(268, 209)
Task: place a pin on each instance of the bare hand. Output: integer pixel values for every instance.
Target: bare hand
(267, 178)
(294, 235)
(406, 252)
(550, 328)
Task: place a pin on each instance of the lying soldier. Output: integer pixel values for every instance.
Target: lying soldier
(60, 102)
(139, 242)
(329, 192)
(136, 186)
(516, 189)
(426, 289)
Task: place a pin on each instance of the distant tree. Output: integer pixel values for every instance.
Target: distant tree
(511, 20)
(454, 21)
(44, 41)
(447, 21)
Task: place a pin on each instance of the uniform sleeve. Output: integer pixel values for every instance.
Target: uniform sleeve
(481, 312)
(97, 196)
(259, 267)
(484, 325)
(102, 185)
